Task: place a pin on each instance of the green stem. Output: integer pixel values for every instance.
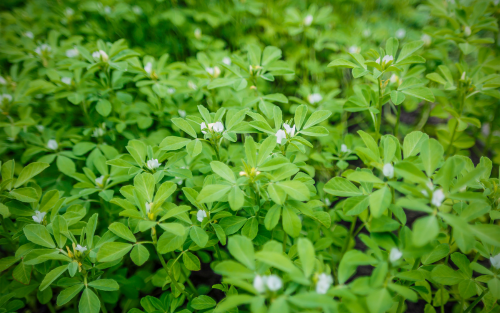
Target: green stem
(349, 236)
(396, 127)
(162, 261)
(284, 241)
(218, 252)
(379, 115)
(492, 128)
(473, 304)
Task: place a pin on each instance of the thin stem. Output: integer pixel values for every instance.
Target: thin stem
(218, 252)
(473, 304)
(162, 261)
(379, 115)
(349, 236)
(492, 128)
(396, 127)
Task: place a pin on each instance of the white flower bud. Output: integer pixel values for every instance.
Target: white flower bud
(280, 135)
(438, 197)
(200, 215)
(52, 144)
(308, 20)
(324, 283)
(153, 164)
(259, 283)
(273, 283)
(495, 261)
(39, 216)
(395, 255)
(388, 170)
(81, 249)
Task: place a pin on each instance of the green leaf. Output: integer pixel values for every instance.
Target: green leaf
(421, 93)
(241, 248)
(30, 171)
(412, 143)
(89, 302)
(305, 250)
(191, 261)
(112, 251)
(103, 107)
(39, 235)
(232, 224)
(199, 236)
(410, 172)
(105, 284)
(52, 276)
(408, 49)
(223, 171)
(295, 189)
(202, 303)
(184, 126)
(487, 233)
(272, 217)
(380, 201)
(444, 275)
(276, 260)
(139, 255)
(67, 294)
(211, 193)
(366, 177)
(122, 231)
(356, 205)
(425, 229)
(316, 118)
(291, 222)
(431, 152)
(341, 187)
(26, 194)
(22, 273)
(342, 63)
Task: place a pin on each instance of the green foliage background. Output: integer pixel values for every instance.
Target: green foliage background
(253, 156)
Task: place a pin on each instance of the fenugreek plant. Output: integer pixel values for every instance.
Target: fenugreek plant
(249, 156)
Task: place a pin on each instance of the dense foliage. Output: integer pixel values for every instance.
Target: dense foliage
(246, 155)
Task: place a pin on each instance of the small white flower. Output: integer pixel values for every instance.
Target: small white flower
(400, 33)
(107, 10)
(72, 53)
(148, 207)
(153, 164)
(69, 11)
(100, 181)
(203, 126)
(148, 68)
(81, 249)
(280, 135)
(463, 76)
(5, 96)
(243, 173)
(354, 49)
(438, 197)
(197, 33)
(495, 261)
(388, 170)
(217, 127)
(314, 98)
(259, 283)
(171, 91)
(226, 60)
(137, 9)
(3, 81)
(100, 56)
(192, 85)
(344, 149)
(289, 130)
(40, 128)
(308, 20)
(43, 48)
(273, 283)
(98, 132)
(467, 31)
(29, 35)
(395, 255)
(394, 78)
(182, 113)
(210, 70)
(426, 39)
(386, 59)
(52, 144)
(324, 283)
(328, 202)
(66, 80)
(201, 215)
(425, 193)
(39, 216)
(367, 33)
